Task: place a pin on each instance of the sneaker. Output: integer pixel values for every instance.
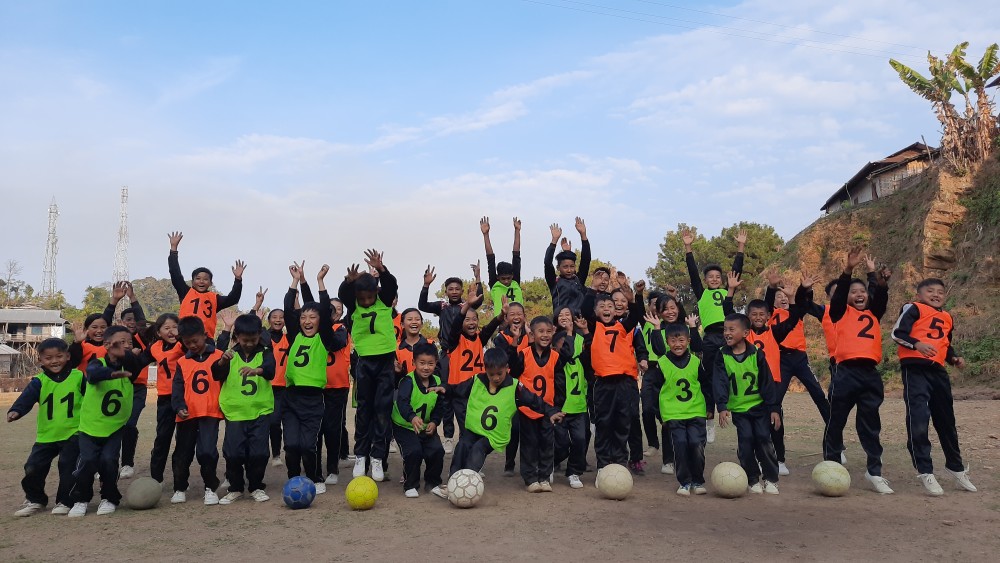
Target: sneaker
(260, 496)
(881, 485)
(393, 450)
(352, 458)
(931, 484)
(699, 489)
(449, 445)
(402, 479)
(411, 493)
(546, 486)
(770, 488)
(667, 469)
(79, 509)
(320, 488)
(332, 479)
(106, 507)
(638, 468)
(440, 492)
(359, 467)
(60, 509)
(126, 472)
(508, 472)
(535, 488)
(782, 469)
(710, 431)
(230, 498)
(377, 473)
(962, 479)
(843, 458)
(652, 452)
(224, 485)
(575, 482)
(276, 462)
(684, 490)
(211, 498)
(28, 508)
(756, 489)
(179, 497)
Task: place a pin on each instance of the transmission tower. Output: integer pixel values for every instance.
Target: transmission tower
(121, 253)
(51, 250)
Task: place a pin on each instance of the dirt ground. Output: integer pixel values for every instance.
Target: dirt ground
(511, 524)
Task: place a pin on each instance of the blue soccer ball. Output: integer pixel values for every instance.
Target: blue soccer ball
(299, 492)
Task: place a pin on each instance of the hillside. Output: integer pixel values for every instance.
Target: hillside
(944, 227)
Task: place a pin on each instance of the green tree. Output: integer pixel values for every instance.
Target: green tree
(96, 298)
(157, 296)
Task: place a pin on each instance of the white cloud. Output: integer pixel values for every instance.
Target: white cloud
(210, 74)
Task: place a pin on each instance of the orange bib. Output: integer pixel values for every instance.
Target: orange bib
(830, 332)
(540, 380)
(933, 327)
(796, 340)
(280, 351)
(465, 360)
(859, 336)
(769, 346)
(203, 306)
(338, 367)
(611, 351)
(201, 391)
(397, 325)
(166, 365)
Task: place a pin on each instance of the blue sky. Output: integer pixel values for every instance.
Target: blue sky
(313, 130)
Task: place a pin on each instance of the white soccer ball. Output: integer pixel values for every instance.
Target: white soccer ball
(465, 488)
(729, 480)
(614, 481)
(832, 479)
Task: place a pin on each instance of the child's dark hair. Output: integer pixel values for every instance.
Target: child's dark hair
(712, 268)
(603, 269)
(494, 358)
(311, 306)
(115, 330)
(830, 285)
(452, 280)
(190, 326)
(409, 310)
(201, 270)
(600, 298)
(153, 332)
(248, 324)
(53, 344)
(929, 282)
(661, 305)
(505, 269)
(757, 304)
(566, 255)
(366, 282)
(129, 311)
(540, 320)
(272, 312)
(515, 304)
(677, 329)
(90, 319)
(739, 318)
(858, 281)
(654, 296)
(424, 349)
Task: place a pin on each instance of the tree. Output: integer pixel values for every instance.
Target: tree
(157, 296)
(11, 285)
(96, 298)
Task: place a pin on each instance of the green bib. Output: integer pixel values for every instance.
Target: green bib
(576, 383)
(59, 417)
(680, 395)
(511, 292)
(647, 329)
(421, 403)
(744, 381)
(710, 307)
(306, 365)
(245, 397)
(106, 406)
(491, 415)
(372, 329)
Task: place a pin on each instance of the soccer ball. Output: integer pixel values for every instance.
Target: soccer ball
(143, 494)
(614, 481)
(831, 478)
(361, 493)
(465, 488)
(299, 492)
(729, 480)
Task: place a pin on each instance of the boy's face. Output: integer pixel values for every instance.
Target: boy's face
(423, 365)
(542, 333)
(758, 317)
(168, 331)
(412, 323)
(118, 343)
(734, 333)
(338, 309)
(567, 268)
(515, 315)
(678, 344)
(470, 326)
(505, 279)
(128, 321)
(277, 320)
(857, 296)
(713, 279)
(497, 375)
(53, 359)
(248, 341)
(195, 344)
(621, 303)
(96, 330)
(781, 300)
(601, 280)
(670, 312)
(365, 298)
(453, 291)
(309, 321)
(605, 310)
(932, 295)
(201, 282)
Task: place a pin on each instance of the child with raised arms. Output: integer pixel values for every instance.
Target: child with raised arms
(505, 277)
(198, 299)
(568, 287)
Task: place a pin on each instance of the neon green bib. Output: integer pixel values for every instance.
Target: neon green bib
(576, 383)
(512, 292)
(59, 404)
(680, 395)
(744, 381)
(372, 329)
(306, 362)
(710, 307)
(421, 403)
(245, 397)
(647, 329)
(491, 415)
(106, 406)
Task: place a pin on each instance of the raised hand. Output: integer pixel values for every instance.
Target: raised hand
(580, 322)
(773, 278)
(670, 290)
(130, 292)
(869, 262)
(556, 231)
(175, 239)
(476, 271)
(374, 259)
(238, 269)
(484, 225)
(504, 307)
(640, 286)
(322, 272)
(228, 317)
(353, 273)
(691, 320)
(809, 280)
(296, 272)
(581, 228)
(261, 294)
(883, 275)
(517, 224)
(302, 272)
(79, 333)
(741, 239)
(687, 235)
(117, 292)
(429, 276)
(653, 319)
(566, 245)
(734, 281)
(853, 259)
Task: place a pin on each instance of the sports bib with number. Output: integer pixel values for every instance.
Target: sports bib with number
(59, 404)
(576, 383)
(491, 415)
(246, 397)
(466, 360)
(512, 292)
(744, 381)
(932, 327)
(201, 390)
(859, 336)
(710, 307)
(307, 359)
(106, 406)
(421, 402)
(166, 365)
(680, 396)
(280, 351)
(201, 305)
(766, 343)
(373, 330)
(611, 351)
(540, 380)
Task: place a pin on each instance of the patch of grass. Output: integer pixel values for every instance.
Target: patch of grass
(984, 202)
(980, 353)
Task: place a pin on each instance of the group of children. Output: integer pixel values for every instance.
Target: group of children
(609, 363)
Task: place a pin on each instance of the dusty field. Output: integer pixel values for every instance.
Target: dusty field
(511, 524)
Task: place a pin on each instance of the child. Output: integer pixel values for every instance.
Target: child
(195, 399)
(88, 343)
(571, 440)
(313, 340)
(413, 322)
(856, 382)
(416, 415)
(58, 390)
(745, 388)
(164, 351)
(635, 453)
(682, 403)
(536, 368)
(512, 334)
(505, 277)
(104, 411)
(710, 297)
(279, 349)
(132, 318)
(493, 398)
(568, 289)
(924, 334)
(245, 399)
(198, 299)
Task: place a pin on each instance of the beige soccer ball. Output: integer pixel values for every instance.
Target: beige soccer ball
(832, 479)
(465, 488)
(729, 480)
(614, 481)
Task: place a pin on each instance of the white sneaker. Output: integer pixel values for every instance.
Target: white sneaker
(276, 462)
(881, 485)
(962, 479)
(652, 452)
(230, 498)
(449, 445)
(79, 509)
(351, 458)
(667, 469)
(260, 496)
(331, 479)
(843, 458)
(126, 472)
(699, 489)
(28, 508)
(756, 488)
(393, 449)
(931, 484)
(377, 474)
(782, 469)
(359, 467)
(179, 497)
(411, 493)
(684, 490)
(211, 498)
(575, 482)
(710, 431)
(106, 507)
(60, 509)
(440, 492)
(320, 488)
(770, 488)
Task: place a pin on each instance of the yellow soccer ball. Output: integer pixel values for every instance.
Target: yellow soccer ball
(361, 493)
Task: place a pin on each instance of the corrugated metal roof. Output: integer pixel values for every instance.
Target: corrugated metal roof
(31, 316)
(915, 151)
(7, 350)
